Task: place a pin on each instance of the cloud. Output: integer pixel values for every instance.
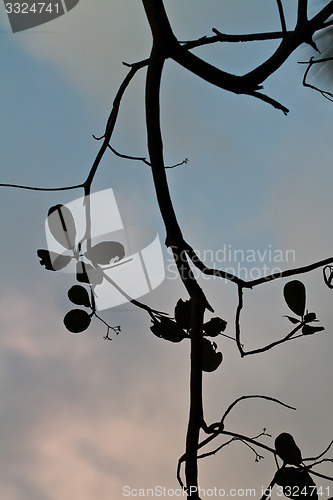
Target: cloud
(89, 44)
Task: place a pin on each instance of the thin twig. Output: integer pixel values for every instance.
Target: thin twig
(256, 396)
(34, 188)
(324, 93)
(319, 456)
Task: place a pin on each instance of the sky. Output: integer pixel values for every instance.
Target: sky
(84, 417)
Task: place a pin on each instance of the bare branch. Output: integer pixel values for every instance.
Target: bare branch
(270, 101)
(256, 396)
(282, 17)
(255, 37)
(319, 456)
(213, 452)
(324, 93)
(302, 12)
(252, 283)
(289, 272)
(302, 34)
(34, 188)
(112, 121)
(217, 428)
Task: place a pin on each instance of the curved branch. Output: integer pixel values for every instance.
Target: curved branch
(252, 283)
(256, 396)
(328, 95)
(112, 121)
(33, 188)
(302, 34)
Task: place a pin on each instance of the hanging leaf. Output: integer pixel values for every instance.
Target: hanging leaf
(287, 449)
(183, 311)
(86, 273)
(310, 330)
(52, 260)
(294, 295)
(106, 252)
(328, 276)
(211, 359)
(214, 327)
(309, 317)
(167, 329)
(79, 296)
(296, 483)
(77, 320)
(62, 226)
(292, 320)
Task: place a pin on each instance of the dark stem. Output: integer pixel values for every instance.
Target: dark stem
(196, 404)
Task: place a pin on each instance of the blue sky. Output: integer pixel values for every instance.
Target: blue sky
(81, 417)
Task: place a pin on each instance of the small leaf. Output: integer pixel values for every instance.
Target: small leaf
(309, 317)
(211, 359)
(106, 252)
(287, 449)
(52, 260)
(79, 296)
(293, 320)
(310, 330)
(214, 327)
(294, 295)
(183, 311)
(167, 329)
(62, 226)
(328, 276)
(77, 320)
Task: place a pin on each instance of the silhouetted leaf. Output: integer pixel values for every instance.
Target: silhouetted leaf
(286, 476)
(167, 329)
(77, 320)
(296, 483)
(293, 320)
(211, 359)
(79, 296)
(62, 226)
(287, 449)
(214, 327)
(52, 260)
(106, 252)
(310, 330)
(328, 276)
(183, 311)
(309, 317)
(86, 273)
(294, 295)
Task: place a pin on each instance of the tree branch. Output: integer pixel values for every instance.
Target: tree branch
(33, 188)
(282, 17)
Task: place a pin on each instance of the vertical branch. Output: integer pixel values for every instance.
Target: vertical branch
(302, 12)
(282, 18)
(175, 240)
(155, 146)
(237, 320)
(196, 405)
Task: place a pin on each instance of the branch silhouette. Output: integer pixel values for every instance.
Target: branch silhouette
(188, 321)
